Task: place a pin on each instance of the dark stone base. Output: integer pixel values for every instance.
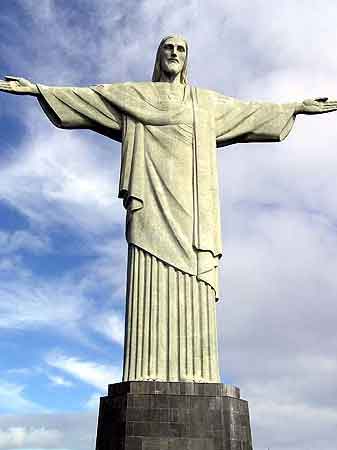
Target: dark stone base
(148, 415)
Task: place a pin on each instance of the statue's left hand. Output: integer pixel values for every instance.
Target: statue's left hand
(317, 106)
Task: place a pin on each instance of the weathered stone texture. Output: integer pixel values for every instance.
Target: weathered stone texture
(173, 416)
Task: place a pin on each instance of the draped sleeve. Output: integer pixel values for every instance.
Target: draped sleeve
(81, 107)
(240, 121)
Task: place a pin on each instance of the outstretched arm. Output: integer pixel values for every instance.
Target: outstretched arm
(70, 107)
(242, 121)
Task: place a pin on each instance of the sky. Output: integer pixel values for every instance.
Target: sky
(62, 246)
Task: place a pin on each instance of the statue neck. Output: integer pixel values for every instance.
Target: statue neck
(173, 78)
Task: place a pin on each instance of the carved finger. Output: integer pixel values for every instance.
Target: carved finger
(321, 99)
(7, 84)
(10, 84)
(330, 105)
(331, 109)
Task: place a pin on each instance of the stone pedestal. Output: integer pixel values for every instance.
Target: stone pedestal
(173, 416)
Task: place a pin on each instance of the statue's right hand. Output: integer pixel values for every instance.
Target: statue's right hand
(18, 86)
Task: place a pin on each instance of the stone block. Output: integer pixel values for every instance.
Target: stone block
(173, 416)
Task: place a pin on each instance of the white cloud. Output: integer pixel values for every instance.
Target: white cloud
(57, 380)
(22, 240)
(273, 407)
(62, 183)
(45, 11)
(111, 326)
(13, 399)
(106, 270)
(277, 316)
(89, 372)
(71, 304)
(93, 402)
(10, 264)
(23, 438)
(74, 430)
(29, 306)
(25, 371)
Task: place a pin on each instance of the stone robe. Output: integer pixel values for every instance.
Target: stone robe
(169, 186)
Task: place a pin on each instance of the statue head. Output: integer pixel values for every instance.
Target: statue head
(171, 58)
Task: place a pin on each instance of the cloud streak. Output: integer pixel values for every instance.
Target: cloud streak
(13, 399)
(21, 437)
(89, 372)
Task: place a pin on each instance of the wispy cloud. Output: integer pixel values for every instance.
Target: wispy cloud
(273, 407)
(13, 399)
(93, 402)
(40, 177)
(68, 431)
(30, 438)
(11, 242)
(90, 372)
(38, 306)
(72, 304)
(58, 380)
(110, 326)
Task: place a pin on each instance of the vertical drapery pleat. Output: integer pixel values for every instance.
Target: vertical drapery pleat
(170, 332)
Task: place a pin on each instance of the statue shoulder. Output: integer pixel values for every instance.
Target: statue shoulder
(146, 89)
(212, 97)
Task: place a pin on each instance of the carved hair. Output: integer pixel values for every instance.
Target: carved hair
(157, 71)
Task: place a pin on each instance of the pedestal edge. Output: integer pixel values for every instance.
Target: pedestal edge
(174, 388)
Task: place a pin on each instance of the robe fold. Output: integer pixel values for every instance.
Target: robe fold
(168, 177)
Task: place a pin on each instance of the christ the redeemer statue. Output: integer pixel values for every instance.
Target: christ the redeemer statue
(169, 132)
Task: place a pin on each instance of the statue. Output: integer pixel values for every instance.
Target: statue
(169, 132)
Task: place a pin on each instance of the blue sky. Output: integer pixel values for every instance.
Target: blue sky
(62, 252)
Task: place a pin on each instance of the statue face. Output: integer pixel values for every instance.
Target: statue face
(173, 56)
